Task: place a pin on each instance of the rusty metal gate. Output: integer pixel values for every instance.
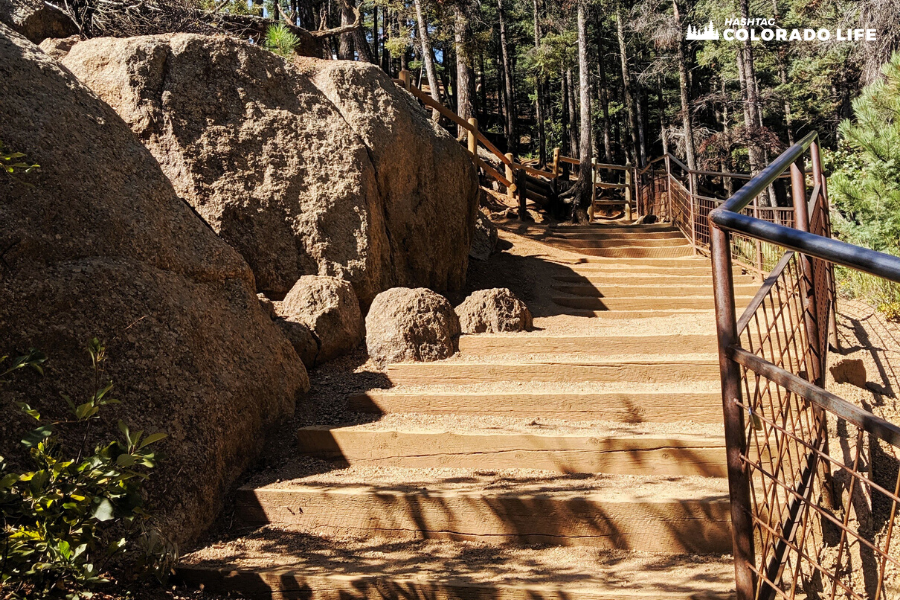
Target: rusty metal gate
(811, 516)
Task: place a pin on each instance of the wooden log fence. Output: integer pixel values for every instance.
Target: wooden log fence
(664, 187)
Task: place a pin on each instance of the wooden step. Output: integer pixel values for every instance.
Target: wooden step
(535, 230)
(642, 303)
(593, 451)
(620, 276)
(613, 345)
(581, 243)
(663, 514)
(625, 406)
(290, 565)
(635, 251)
(631, 370)
(656, 291)
(618, 234)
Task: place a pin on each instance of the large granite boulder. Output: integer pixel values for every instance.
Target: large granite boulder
(429, 185)
(323, 168)
(495, 310)
(97, 243)
(328, 307)
(36, 20)
(406, 324)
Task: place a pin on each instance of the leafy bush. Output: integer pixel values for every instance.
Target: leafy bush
(280, 40)
(11, 163)
(65, 520)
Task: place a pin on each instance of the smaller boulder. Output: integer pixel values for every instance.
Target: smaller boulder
(268, 306)
(36, 20)
(58, 48)
(328, 306)
(493, 311)
(302, 339)
(406, 324)
(849, 370)
(484, 241)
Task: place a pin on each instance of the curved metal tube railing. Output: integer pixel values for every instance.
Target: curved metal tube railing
(797, 508)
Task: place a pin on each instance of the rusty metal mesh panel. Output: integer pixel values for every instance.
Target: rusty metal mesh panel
(823, 497)
(652, 194)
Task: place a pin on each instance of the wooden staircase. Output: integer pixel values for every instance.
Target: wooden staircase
(550, 464)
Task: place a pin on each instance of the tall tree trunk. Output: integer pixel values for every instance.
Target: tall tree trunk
(345, 45)
(604, 101)
(565, 120)
(427, 57)
(661, 106)
(376, 55)
(363, 52)
(626, 83)
(539, 91)
(465, 74)
(484, 104)
(385, 53)
(585, 180)
(684, 89)
(751, 100)
(573, 112)
(641, 122)
(512, 139)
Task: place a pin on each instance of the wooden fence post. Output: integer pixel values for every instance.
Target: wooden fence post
(628, 182)
(521, 190)
(509, 176)
(555, 163)
(405, 78)
(473, 136)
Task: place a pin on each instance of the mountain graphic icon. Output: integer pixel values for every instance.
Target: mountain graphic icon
(707, 33)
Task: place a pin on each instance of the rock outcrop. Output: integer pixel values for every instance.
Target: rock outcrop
(58, 48)
(328, 307)
(36, 20)
(484, 240)
(326, 168)
(98, 244)
(406, 324)
(301, 338)
(495, 310)
(428, 183)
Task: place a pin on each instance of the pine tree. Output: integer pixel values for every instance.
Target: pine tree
(865, 188)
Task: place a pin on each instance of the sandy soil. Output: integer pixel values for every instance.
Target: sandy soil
(470, 562)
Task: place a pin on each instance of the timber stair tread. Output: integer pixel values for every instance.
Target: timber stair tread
(670, 514)
(634, 370)
(283, 564)
(633, 405)
(596, 345)
(644, 291)
(492, 443)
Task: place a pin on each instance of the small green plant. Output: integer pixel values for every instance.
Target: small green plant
(64, 521)
(12, 164)
(281, 40)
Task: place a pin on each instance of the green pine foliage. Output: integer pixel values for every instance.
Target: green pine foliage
(281, 40)
(65, 521)
(865, 186)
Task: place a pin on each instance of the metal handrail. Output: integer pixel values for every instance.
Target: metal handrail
(728, 216)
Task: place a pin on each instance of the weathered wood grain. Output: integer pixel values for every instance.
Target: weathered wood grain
(634, 371)
(602, 518)
(634, 455)
(627, 407)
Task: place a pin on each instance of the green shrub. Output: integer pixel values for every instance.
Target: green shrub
(11, 163)
(64, 521)
(281, 40)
